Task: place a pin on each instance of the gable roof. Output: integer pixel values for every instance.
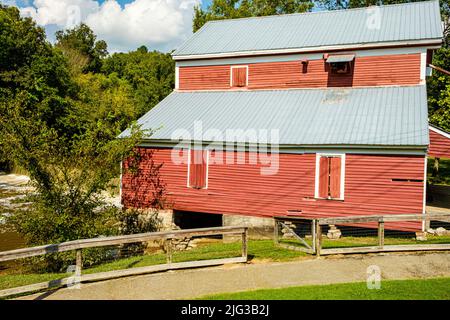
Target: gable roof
(375, 116)
(418, 21)
(440, 131)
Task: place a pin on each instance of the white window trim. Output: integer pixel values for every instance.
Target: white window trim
(177, 78)
(189, 165)
(316, 189)
(246, 75)
(423, 67)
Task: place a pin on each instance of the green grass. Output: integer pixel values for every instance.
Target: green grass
(373, 241)
(364, 241)
(257, 250)
(444, 172)
(423, 289)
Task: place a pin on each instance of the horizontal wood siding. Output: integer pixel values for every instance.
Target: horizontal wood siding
(241, 189)
(205, 78)
(401, 69)
(439, 145)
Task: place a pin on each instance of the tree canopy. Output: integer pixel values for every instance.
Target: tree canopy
(80, 44)
(62, 107)
(231, 9)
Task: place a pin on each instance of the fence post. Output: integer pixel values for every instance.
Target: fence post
(381, 233)
(169, 250)
(276, 231)
(245, 244)
(318, 238)
(313, 234)
(78, 263)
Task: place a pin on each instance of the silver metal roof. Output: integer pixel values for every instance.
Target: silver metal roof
(385, 116)
(390, 23)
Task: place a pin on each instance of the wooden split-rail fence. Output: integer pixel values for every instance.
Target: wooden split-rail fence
(79, 245)
(316, 225)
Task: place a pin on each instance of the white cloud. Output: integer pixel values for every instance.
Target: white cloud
(161, 24)
(60, 12)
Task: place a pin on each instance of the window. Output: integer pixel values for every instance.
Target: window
(340, 67)
(198, 169)
(340, 64)
(239, 76)
(330, 172)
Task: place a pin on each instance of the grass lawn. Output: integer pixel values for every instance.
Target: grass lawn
(423, 289)
(349, 241)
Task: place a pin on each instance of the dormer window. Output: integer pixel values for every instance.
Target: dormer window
(239, 76)
(341, 64)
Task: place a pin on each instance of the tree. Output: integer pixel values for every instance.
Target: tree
(80, 45)
(150, 75)
(62, 129)
(230, 9)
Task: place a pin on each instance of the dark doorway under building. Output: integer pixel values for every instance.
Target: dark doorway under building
(192, 220)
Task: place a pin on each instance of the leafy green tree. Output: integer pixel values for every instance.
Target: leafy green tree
(81, 46)
(230, 9)
(62, 128)
(150, 75)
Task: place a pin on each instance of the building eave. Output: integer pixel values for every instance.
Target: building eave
(431, 43)
(419, 149)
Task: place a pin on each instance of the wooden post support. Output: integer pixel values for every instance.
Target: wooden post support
(245, 244)
(79, 263)
(169, 250)
(313, 234)
(381, 234)
(276, 232)
(318, 238)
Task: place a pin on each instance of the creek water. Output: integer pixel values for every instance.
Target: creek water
(10, 241)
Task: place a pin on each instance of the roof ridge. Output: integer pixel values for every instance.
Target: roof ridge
(274, 16)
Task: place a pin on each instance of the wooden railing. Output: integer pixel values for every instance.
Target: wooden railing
(79, 245)
(316, 233)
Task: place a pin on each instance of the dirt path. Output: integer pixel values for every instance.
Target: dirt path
(187, 284)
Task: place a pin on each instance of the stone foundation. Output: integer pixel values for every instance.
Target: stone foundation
(259, 228)
(166, 218)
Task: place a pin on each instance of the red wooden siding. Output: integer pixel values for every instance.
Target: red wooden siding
(439, 145)
(241, 189)
(217, 77)
(197, 169)
(368, 71)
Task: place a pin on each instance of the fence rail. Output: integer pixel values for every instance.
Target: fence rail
(316, 226)
(79, 245)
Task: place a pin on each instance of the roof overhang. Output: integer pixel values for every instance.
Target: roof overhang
(337, 58)
(439, 131)
(286, 148)
(430, 43)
